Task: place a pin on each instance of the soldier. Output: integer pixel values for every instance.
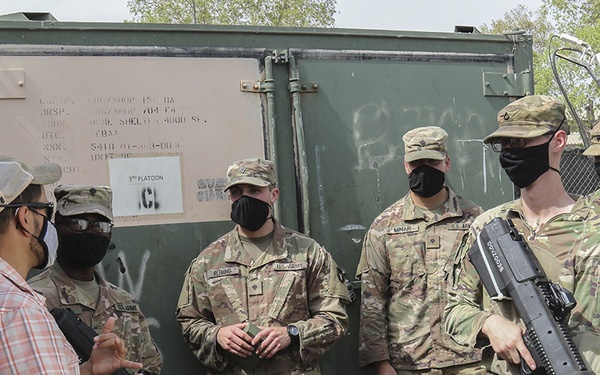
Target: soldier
(84, 221)
(594, 149)
(531, 138)
(30, 340)
(404, 264)
(265, 274)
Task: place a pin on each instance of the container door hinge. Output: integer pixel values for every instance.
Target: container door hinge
(268, 85)
(303, 87)
(507, 84)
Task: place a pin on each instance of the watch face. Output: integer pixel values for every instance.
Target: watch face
(292, 330)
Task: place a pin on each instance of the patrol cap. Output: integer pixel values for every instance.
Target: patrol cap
(594, 149)
(15, 176)
(529, 117)
(258, 172)
(84, 199)
(428, 142)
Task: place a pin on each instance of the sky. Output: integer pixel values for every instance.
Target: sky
(414, 15)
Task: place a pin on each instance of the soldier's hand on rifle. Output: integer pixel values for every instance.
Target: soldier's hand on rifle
(108, 353)
(234, 340)
(506, 339)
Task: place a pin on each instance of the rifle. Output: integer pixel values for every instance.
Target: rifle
(510, 271)
(80, 335)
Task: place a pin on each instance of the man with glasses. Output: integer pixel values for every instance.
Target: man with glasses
(531, 138)
(30, 340)
(84, 221)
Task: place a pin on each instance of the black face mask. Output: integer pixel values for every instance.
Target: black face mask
(525, 165)
(597, 168)
(250, 213)
(83, 250)
(426, 181)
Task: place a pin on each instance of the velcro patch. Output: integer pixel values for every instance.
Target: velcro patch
(211, 274)
(404, 229)
(126, 307)
(290, 266)
(459, 226)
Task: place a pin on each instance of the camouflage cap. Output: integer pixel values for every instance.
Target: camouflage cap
(594, 149)
(258, 172)
(15, 176)
(84, 199)
(428, 142)
(529, 117)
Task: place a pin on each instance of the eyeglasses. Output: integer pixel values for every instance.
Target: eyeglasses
(500, 144)
(81, 225)
(49, 207)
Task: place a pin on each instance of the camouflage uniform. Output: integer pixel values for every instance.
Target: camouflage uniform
(565, 247)
(294, 281)
(60, 291)
(299, 283)
(131, 325)
(404, 265)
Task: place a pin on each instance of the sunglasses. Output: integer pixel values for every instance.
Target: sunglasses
(81, 225)
(48, 207)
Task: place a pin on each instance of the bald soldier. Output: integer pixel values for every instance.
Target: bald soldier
(262, 299)
(406, 257)
(558, 227)
(84, 221)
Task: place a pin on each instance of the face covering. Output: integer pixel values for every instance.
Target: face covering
(48, 239)
(83, 250)
(525, 165)
(426, 181)
(250, 213)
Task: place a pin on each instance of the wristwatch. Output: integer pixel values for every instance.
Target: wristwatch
(294, 334)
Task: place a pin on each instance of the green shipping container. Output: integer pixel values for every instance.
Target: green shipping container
(159, 111)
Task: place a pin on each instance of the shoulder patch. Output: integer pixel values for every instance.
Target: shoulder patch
(127, 307)
(403, 229)
(211, 274)
(290, 266)
(459, 226)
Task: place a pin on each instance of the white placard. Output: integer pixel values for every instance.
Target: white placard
(146, 186)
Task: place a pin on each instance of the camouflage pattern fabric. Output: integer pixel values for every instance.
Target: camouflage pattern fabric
(406, 258)
(427, 142)
(594, 149)
(567, 247)
(258, 172)
(130, 325)
(294, 282)
(530, 117)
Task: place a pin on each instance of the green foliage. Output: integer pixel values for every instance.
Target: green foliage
(578, 18)
(300, 13)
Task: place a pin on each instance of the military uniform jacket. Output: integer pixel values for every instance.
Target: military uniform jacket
(567, 247)
(130, 325)
(294, 281)
(404, 265)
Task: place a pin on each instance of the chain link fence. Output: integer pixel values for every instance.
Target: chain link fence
(577, 172)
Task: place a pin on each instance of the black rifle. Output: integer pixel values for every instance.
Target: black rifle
(80, 335)
(510, 271)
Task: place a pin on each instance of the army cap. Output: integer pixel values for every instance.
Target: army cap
(84, 199)
(594, 149)
(15, 176)
(529, 117)
(428, 142)
(258, 172)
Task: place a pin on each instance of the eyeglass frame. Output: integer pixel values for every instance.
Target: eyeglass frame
(48, 206)
(70, 222)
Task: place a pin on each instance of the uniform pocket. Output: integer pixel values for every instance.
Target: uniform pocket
(227, 305)
(290, 301)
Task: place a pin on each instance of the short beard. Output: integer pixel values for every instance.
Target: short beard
(36, 248)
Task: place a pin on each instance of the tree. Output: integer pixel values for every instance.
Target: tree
(300, 13)
(579, 18)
